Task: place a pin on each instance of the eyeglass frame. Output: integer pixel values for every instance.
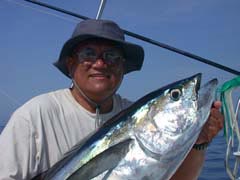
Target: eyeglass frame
(102, 56)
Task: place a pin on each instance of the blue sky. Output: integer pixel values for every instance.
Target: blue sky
(32, 36)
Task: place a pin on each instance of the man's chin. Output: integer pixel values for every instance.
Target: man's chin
(101, 94)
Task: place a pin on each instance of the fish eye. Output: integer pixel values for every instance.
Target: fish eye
(175, 94)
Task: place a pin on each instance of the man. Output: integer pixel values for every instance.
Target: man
(43, 129)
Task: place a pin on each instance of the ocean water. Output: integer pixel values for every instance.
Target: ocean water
(214, 165)
(214, 168)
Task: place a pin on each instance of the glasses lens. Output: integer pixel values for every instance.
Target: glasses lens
(87, 54)
(110, 57)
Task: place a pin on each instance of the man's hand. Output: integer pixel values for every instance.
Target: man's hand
(213, 125)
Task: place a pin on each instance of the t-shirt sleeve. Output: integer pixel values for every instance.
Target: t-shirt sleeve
(16, 149)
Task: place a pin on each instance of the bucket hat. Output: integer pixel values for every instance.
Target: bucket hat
(103, 29)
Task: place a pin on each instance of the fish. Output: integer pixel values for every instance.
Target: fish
(148, 140)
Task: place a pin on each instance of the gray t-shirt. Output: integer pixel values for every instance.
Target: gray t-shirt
(43, 129)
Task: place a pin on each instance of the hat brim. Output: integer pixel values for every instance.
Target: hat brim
(134, 54)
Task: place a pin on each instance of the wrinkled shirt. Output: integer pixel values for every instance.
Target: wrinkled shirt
(41, 131)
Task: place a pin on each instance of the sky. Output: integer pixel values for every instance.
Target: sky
(32, 36)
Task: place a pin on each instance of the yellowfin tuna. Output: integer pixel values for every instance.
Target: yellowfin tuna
(148, 140)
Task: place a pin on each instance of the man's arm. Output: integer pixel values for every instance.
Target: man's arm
(192, 165)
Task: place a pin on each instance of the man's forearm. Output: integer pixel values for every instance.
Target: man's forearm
(191, 166)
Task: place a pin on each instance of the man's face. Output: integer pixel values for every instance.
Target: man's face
(97, 68)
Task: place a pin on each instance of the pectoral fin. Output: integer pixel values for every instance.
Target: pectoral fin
(107, 160)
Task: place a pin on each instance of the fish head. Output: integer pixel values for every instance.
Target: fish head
(174, 118)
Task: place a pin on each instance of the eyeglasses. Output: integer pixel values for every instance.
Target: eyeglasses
(111, 57)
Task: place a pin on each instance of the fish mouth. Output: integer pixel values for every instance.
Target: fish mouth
(196, 80)
(207, 94)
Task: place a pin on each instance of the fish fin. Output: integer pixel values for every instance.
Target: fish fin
(106, 160)
(106, 176)
(46, 175)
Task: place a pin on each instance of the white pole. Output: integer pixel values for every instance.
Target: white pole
(100, 10)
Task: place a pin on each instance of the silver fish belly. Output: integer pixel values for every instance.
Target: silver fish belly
(148, 140)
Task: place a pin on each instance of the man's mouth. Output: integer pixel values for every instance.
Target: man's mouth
(100, 76)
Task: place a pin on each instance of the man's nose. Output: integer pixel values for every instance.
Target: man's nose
(100, 62)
